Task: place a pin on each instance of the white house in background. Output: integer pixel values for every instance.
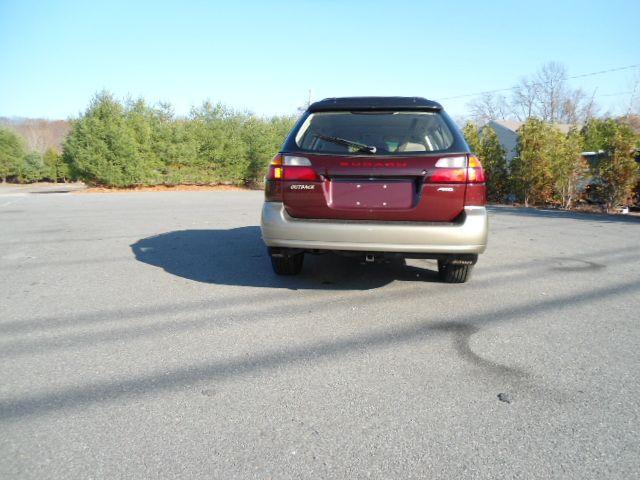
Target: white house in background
(507, 132)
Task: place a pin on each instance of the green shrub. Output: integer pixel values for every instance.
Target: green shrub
(486, 145)
(12, 153)
(616, 171)
(31, 168)
(122, 145)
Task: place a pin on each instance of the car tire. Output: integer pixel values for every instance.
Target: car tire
(287, 264)
(450, 273)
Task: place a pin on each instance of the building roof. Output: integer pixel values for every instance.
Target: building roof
(374, 103)
(512, 125)
(515, 125)
(633, 121)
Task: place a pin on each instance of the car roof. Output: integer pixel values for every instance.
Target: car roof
(373, 103)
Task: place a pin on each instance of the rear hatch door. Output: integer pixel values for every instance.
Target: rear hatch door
(370, 187)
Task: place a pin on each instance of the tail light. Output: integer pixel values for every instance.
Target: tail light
(450, 170)
(476, 193)
(272, 182)
(475, 172)
(275, 168)
(460, 169)
(289, 168)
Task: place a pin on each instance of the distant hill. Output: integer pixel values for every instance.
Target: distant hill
(39, 134)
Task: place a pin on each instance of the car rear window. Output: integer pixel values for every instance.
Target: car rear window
(389, 132)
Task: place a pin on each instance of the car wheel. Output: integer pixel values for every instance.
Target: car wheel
(284, 264)
(450, 273)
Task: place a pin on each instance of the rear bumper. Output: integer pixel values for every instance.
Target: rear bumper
(469, 235)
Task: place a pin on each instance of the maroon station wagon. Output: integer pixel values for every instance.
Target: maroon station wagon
(376, 177)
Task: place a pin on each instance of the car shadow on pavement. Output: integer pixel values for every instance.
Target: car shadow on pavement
(237, 256)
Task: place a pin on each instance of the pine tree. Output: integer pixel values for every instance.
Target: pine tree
(531, 170)
(472, 136)
(104, 145)
(493, 158)
(55, 166)
(12, 152)
(619, 171)
(568, 167)
(616, 169)
(31, 168)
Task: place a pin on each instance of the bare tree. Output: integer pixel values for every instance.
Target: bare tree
(488, 107)
(524, 99)
(546, 95)
(570, 109)
(589, 108)
(39, 134)
(634, 98)
(551, 81)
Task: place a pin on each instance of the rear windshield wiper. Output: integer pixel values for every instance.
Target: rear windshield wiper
(347, 143)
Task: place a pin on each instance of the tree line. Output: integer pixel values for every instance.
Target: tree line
(19, 164)
(129, 143)
(549, 168)
(39, 134)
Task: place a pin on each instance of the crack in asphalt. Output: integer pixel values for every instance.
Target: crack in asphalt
(85, 395)
(462, 333)
(582, 265)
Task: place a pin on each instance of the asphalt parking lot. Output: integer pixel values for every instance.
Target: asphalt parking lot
(143, 335)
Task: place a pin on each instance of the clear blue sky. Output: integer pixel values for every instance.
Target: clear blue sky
(265, 55)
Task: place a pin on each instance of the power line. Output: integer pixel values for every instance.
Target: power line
(605, 71)
(614, 94)
(478, 93)
(590, 74)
